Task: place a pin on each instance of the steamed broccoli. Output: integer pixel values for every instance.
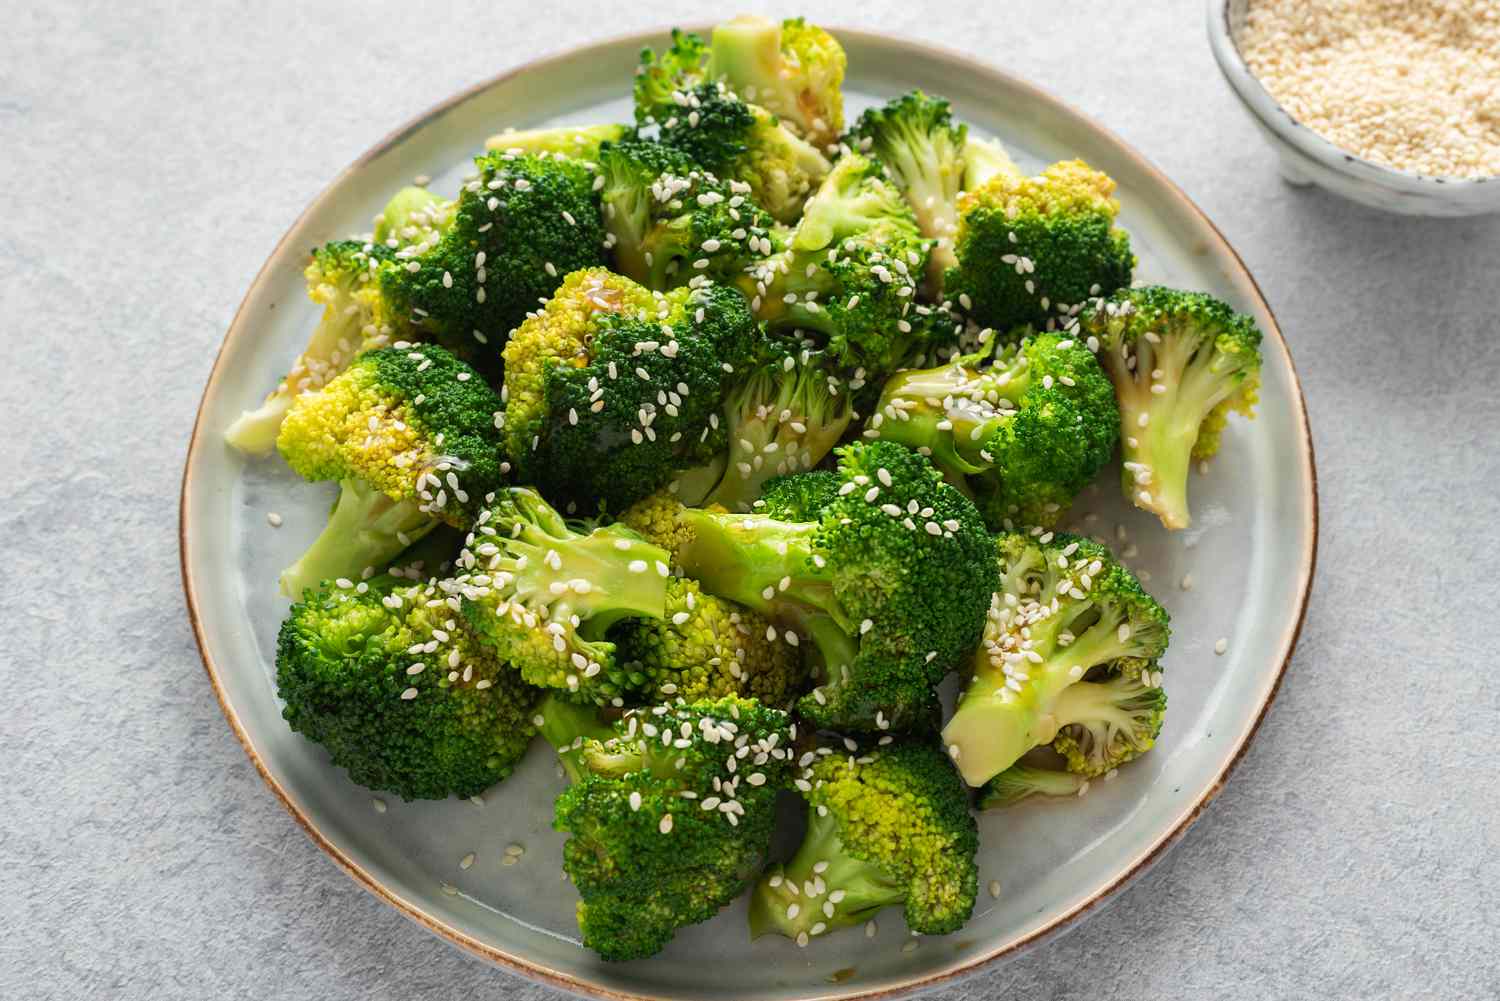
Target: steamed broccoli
(1037, 249)
(889, 827)
(670, 819)
(656, 519)
(706, 120)
(1021, 781)
(414, 217)
(568, 726)
(340, 278)
(705, 647)
(611, 387)
(409, 433)
(849, 275)
(521, 223)
(792, 69)
(581, 142)
(916, 139)
(1181, 362)
(672, 223)
(889, 577)
(398, 692)
(1026, 425)
(1069, 654)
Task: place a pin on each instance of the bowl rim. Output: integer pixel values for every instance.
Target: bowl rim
(1254, 95)
(534, 970)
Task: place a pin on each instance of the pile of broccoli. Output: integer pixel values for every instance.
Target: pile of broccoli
(706, 446)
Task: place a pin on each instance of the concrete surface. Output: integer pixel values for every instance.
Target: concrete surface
(153, 153)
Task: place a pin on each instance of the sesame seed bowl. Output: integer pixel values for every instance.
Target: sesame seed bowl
(485, 874)
(1305, 157)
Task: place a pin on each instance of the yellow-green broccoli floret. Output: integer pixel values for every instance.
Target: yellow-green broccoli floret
(399, 693)
(581, 142)
(670, 819)
(1033, 250)
(1068, 658)
(1180, 362)
(1022, 781)
(409, 433)
(887, 826)
(793, 69)
(1024, 424)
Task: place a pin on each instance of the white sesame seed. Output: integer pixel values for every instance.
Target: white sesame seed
(1221, 645)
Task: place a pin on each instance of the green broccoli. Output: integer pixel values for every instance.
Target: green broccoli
(520, 224)
(671, 223)
(849, 275)
(409, 432)
(340, 278)
(656, 519)
(581, 142)
(720, 132)
(793, 69)
(1036, 250)
(384, 676)
(888, 827)
(567, 726)
(1181, 362)
(1025, 425)
(1021, 781)
(414, 217)
(1069, 653)
(612, 388)
(915, 138)
(670, 819)
(705, 648)
(861, 578)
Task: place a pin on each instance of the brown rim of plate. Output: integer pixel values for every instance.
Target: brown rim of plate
(568, 982)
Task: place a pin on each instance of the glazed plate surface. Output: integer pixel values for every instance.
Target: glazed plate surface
(1250, 554)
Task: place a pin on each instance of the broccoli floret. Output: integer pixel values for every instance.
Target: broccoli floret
(849, 275)
(783, 418)
(1036, 249)
(612, 388)
(668, 823)
(672, 223)
(1021, 781)
(581, 142)
(720, 132)
(1103, 724)
(413, 217)
(1026, 425)
(409, 433)
(567, 726)
(983, 159)
(1180, 362)
(889, 827)
(706, 648)
(859, 578)
(916, 139)
(792, 69)
(1066, 614)
(520, 225)
(340, 278)
(398, 692)
(544, 593)
(655, 519)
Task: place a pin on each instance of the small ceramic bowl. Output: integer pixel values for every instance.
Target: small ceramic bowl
(1308, 158)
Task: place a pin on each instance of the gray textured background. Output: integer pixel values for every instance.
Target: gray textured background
(152, 155)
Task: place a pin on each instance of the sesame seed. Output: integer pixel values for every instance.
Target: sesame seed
(379, 805)
(995, 888)
(1222, 645)
(666, 824)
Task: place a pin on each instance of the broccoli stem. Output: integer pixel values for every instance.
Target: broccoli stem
(748, 559)
(565, 725)
(1019, 782)
(862, 888)
(365, 529)
(603, 577)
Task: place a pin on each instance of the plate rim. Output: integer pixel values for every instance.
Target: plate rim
(538, 971)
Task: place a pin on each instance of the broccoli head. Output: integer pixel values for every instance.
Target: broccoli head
(886, 826)
(521, 223)
(915, 138)
(1071, 641)
(1026, 425)
(400, 694)
(1180, 362)
(581, 142)
(706, 648)
(670, 819)
(1022, 781)
(656, 519)
(793, 69)
(612, 388)
(889, 578)
(1037, 249)
(671, 223)
(848, 277)
(409, 432)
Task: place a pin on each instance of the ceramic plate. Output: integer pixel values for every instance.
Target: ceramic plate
(1251, 555)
